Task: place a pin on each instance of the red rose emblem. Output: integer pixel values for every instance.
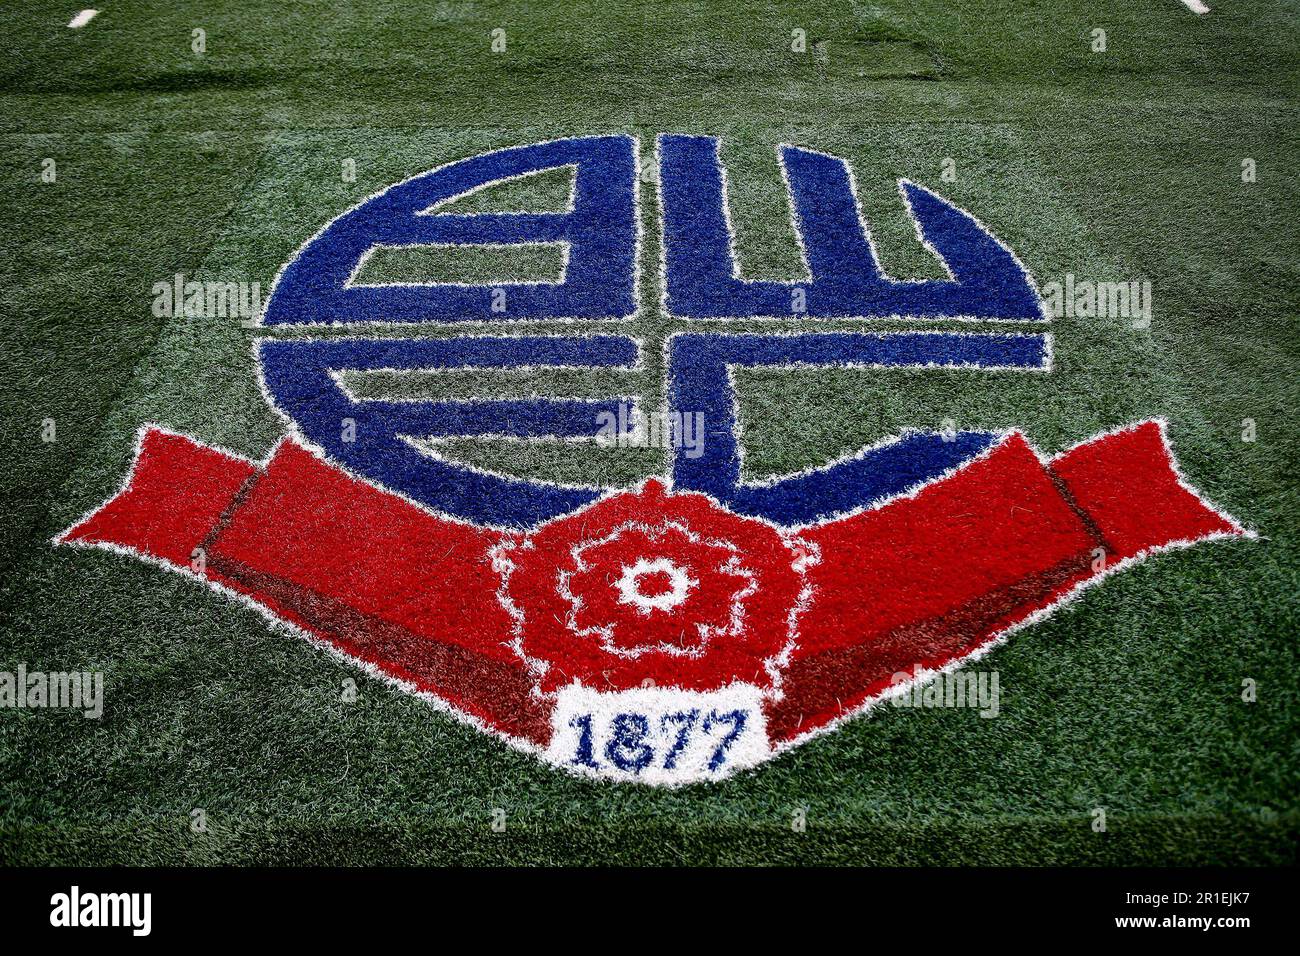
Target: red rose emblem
(650, 586)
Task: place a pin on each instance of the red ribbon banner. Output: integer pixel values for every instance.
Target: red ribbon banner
(824, 619)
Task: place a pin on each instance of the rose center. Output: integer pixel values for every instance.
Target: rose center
(654, 585)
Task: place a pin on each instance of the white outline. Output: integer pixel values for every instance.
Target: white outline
(338, 377)
(802, 552)
(276, 622)
(804, 555)
(1065, 598)
(771, 480)
(902, 182)
(512, 371)
(629, 590)
(1171, 460)
(504, 284)
(303, 441)
(437, 208)
(736, 620)
(428, 447)
(638, 243)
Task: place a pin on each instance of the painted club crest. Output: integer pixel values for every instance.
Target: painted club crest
(696, 623)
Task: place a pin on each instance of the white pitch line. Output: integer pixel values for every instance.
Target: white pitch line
(1196, 6)
(81, 19)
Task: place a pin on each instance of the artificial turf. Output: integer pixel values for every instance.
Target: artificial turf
(1120, 165)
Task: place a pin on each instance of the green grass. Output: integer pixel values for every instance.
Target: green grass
(1122, 165)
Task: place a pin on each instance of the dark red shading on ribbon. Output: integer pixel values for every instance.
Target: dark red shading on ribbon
(924, 581)
(920, 582)
(375, 576)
